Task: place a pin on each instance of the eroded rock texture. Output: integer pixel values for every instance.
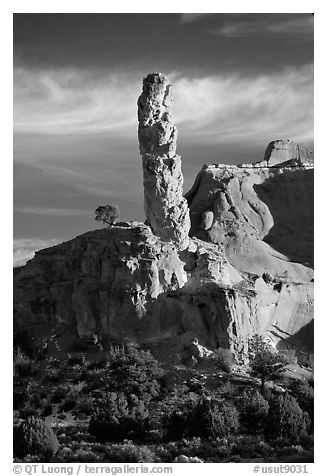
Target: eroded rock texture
(165, 208)
(246, 269)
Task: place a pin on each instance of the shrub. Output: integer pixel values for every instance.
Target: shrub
(23, 365)
(75, 359)
(84, 405)
(224, 360)
(78, 346)
(59, 393)
(175, 412)
(304, 395)
(134, 371)
(117, 418)
(53, 375)
(28, 410)
(285, 419)
(227, 389)
(34, 436)
(214, 418)
(69, 401)
(47, 410)
(251, 447)
(128, 453)
(178, 424)
(253, 412)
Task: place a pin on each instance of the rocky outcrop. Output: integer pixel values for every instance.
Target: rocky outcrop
(165, 208)
(124, 282)
(288, 153)
(263, 216)
(246, 269)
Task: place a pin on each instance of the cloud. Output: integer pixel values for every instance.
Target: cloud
(193, 17)
(69, 101)
(64, 212)
(24, 248)
(273, 25)
(210, 109)
(224, 109)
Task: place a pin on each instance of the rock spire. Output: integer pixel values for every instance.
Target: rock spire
(165, 207)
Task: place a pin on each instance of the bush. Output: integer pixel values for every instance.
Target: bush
(117, 418)
(178, 423)
(79, 346)
(251, 447)
(34, 436)
(84, 405)
(304, 395)
(134, 371)
(128, 453)
(23, 365)
(69, 401)
(59, 393)
(285, 419)
(53, 375)
(253, 412)
(75, 359)
(212, 418)
(174, 412)
(224, 360)
(227, 389)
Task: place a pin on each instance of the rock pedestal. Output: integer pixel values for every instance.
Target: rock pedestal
(165, 208)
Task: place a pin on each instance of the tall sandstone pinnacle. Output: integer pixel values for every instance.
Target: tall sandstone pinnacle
(165, 207)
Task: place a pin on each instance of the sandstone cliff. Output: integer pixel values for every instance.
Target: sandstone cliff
(246, 268)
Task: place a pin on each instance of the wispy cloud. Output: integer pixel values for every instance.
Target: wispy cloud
(193, 17)
(211, 109)
(64, 212)
(24, 248)
(223, 109)
(70, 100)
(275, 25)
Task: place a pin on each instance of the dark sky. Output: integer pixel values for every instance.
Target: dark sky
(240, 80)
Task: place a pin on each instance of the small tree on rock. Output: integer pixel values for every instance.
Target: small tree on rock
(265, 363)
(108, 214)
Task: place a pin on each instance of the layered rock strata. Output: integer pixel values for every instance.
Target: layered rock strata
(165, 208)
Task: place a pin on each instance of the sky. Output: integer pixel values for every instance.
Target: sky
(239, 81)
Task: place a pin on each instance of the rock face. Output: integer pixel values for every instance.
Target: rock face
(287, 152)
(246, 269)
(165, 208)
(124, 282)
(263, 216)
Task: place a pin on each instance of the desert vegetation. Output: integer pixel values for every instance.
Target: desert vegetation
(125, 406)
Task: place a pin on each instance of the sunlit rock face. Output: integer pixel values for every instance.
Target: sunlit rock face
(246, 268)
(165, 208)
(263, 216)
